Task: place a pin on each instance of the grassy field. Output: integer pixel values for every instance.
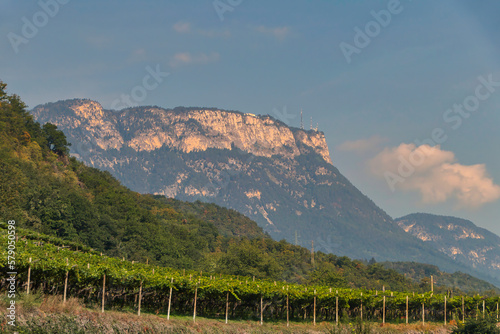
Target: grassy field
(48, 314)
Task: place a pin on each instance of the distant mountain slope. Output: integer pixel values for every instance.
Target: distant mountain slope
(458, 238)
(281, 177)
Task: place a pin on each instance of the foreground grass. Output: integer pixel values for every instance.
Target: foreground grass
(49, 315)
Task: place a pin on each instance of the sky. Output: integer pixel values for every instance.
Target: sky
(406, 92)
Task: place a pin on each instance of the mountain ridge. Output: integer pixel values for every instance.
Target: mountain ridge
(116, 127)
(458, 238)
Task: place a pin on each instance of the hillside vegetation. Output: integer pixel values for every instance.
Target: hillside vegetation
(421, 272)
(45, 190)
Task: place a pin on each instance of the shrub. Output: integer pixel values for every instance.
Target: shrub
(487, 325)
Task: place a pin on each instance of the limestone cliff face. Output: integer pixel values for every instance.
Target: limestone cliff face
(149, 128)
(86, 120)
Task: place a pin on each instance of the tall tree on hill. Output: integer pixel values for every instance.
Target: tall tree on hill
(56, 140)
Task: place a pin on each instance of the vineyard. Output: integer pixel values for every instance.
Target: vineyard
(52, 266)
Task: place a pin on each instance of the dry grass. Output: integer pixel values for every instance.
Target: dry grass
(417, 328)
(54, 304)
(48, 314)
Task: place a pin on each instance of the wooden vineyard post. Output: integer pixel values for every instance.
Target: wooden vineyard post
(383, 311)
(103, 292)
(65, 282)
(195, 296)
(227, 305)
(423, 314)
(432, 283)
(361, 307)
(497, 311)
(140, 297)
(170, 298)
(445, 310)
(337, 310)
(261, 311)
(483, 308)
(29, 278)
(314, 309)
(305, 311)
(287, 310)
(463, 309)
(406, 309)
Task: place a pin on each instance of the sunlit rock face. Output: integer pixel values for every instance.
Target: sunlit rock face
(195, 130)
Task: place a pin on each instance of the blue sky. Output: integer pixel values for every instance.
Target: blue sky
(277, 57)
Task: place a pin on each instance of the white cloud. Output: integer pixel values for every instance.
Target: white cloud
(182, 27)
(137, 55)
(362, 145)
(187, 28)
(435, 174)
(186, 58)
(278, 32)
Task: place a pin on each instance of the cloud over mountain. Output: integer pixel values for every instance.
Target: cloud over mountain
(435, 174)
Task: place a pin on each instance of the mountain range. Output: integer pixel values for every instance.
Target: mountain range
(460, 239)
(282, 177)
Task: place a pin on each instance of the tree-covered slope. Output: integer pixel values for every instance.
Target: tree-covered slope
(421, 273)
(44, 190)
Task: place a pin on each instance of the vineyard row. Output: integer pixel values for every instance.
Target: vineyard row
(112, 283)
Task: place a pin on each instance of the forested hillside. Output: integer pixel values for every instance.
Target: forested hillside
(46, 191)
(421, 272)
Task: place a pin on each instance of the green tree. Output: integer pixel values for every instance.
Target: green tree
(56, 140)
(328, 274)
